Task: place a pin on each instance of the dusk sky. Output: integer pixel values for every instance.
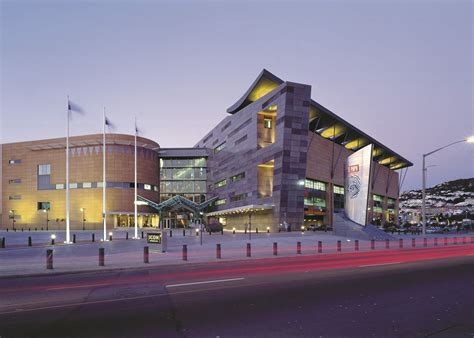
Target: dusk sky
(401, 71)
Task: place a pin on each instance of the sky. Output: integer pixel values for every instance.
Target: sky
(401, 71)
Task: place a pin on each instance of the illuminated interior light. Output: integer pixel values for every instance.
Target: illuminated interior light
(263, 87)
(388, 160)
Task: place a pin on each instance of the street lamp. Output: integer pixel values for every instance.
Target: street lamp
(12, 212)
(469, 139)
(200, 234)
(83, 210)
(47, 217)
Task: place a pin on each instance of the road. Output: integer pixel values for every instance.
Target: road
(420, 292)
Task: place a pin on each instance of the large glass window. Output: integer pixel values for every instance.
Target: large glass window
(219, 148)
(44, 169)
(338, 190)
(44, 205)
(316, 185)
(220, 183)
(237, 177)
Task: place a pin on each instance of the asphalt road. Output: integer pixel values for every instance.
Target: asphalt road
(421, 292)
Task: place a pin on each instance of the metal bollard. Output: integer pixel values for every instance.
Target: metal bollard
(146, 255)
(413, 242)
(93, 237)
(101, 257)
(248, 250)
(339, 246)
(275, 249)
(52, 241)
(356, 245)
(171, 233)
(74, 238)
(142, 235)
(400, 243)
(372, 244)
(21, 229)
(436, 241)
(110, 237)
(218, 251)
(233, 231)
(184, 233)
(425, 242)
(446, 241)
(455, 240)
(387, 244)
(2, 243)
(185, 252)
(126, 235)
(29, 241)
(222, 231)
(256, 230)
(298, 248)
(245, 231)
(49, 259)
(320, 247)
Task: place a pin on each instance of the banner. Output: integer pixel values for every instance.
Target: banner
(357, 184)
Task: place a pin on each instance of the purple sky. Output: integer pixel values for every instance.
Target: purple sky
(402, 71)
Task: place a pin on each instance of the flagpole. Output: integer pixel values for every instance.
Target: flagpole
(68, 237)
(104, 216)
(135, 169)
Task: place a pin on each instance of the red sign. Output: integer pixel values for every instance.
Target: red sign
(354, 168)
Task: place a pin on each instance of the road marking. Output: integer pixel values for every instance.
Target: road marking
(365, 266)
(205, 282)
(75, 287)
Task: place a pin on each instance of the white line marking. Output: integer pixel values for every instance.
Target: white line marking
(205, 282)
(365, 266)
(75, 287)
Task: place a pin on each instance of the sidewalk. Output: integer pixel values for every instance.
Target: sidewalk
(17, 259)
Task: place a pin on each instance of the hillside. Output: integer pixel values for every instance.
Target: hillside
(452, 194)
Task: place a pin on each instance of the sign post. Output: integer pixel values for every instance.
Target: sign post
(159, 240)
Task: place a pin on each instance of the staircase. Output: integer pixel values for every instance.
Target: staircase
(343, 226)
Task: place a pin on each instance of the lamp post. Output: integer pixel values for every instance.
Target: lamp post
(47, 217)
(470, 139)
(201, 213)
(12, 212)
(83, 210)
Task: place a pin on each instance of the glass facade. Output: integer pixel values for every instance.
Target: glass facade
(183, 176)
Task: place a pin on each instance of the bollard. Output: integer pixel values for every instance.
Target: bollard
(387, 244)
(446, 241)
(7, 229)
(268, 230)
(436, 241)
(101, 257)
(218, 251)
(197, 232)
(185, 252)
(93, 237)
(356, 245)
(298, 248)
(2, 243)
(29, 229)
(222, 231)
(210, 233)
(52, 241)
(21, 229)
(413, 242)
(233, 231)
(275, 249)
(245, 230)
(171, 233)
(142, 235)
(320, 247)
(256, 230)
(74, 238)
(146, 255)
(49, 259)
(110, 237)
(126, 235)
(29, 241)
(248, 250)
(36, 229)
(400, 243)
(455, 240)
(184, 233)
(372, 244)
(425, 242)
(339, 246)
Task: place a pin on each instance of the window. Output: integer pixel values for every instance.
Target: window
(239, 197)
(316, 185)
(87, 185)
(59, 186)
(338, 190)
(221, 201)
(378, 198)
(44, 169)
(267, 123)
(315, 201)
(219, 148)
(15, 181)
(378, 209)
(14, 161)
(72, 185)
(147, 187)
(221, 183)
(44, 205)
(14, 197)
(237, 177)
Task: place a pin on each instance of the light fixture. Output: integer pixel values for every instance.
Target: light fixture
(53, 236)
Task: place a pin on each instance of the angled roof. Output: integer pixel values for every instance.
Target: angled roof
(325, 123)
(264, 84)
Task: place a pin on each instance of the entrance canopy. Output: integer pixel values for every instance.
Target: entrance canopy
(240, 210)
(176, 201)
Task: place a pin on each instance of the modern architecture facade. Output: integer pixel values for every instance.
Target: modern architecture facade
(276, 160)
